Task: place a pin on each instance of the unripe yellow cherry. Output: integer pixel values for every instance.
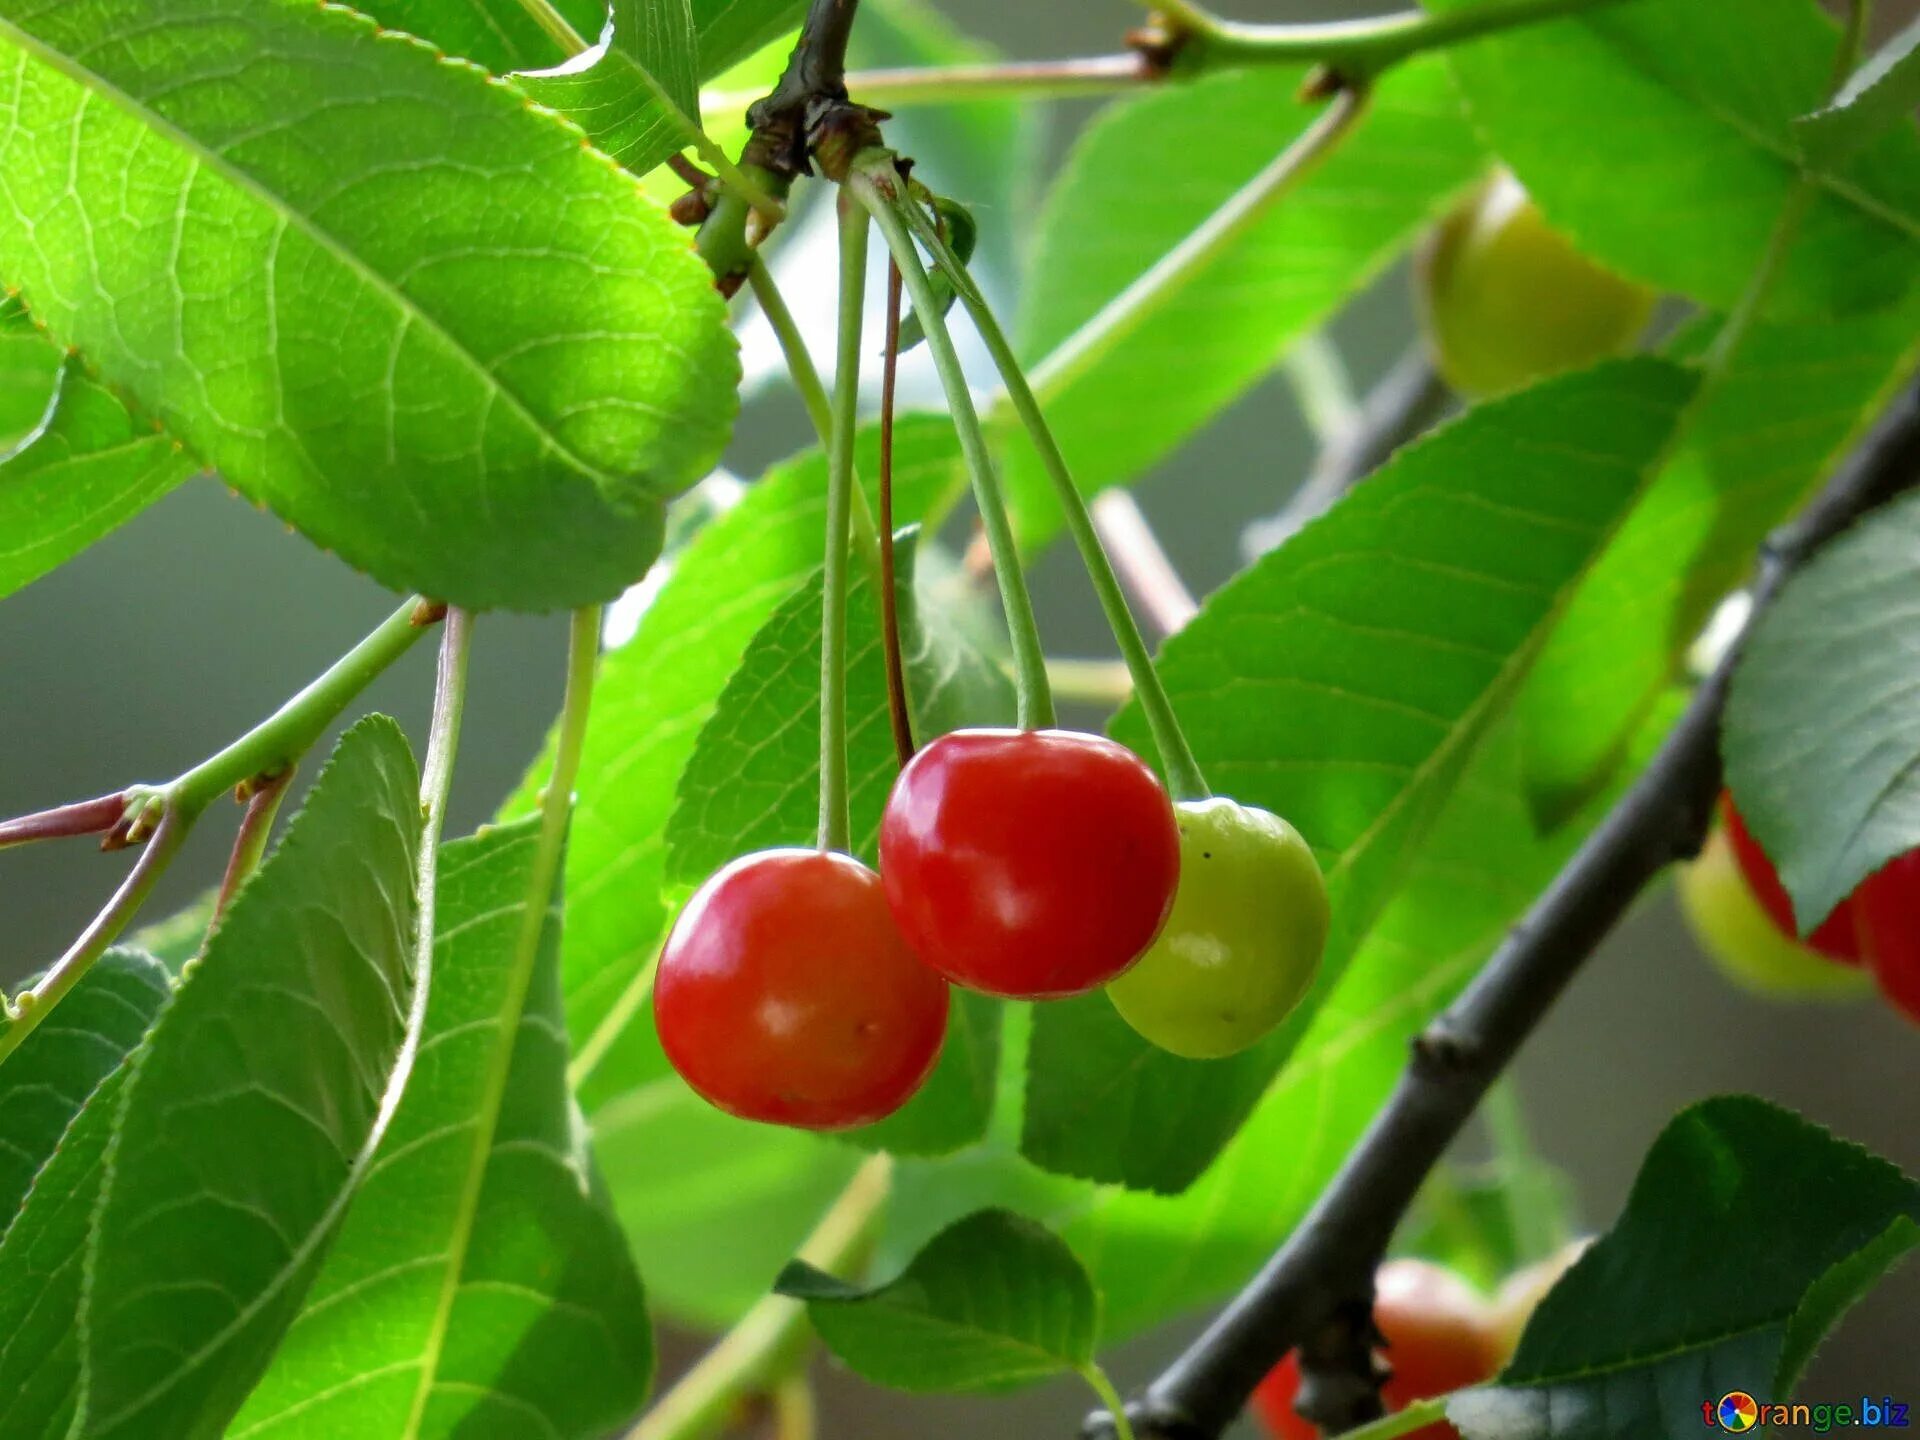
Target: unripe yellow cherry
(1244, 938)
(1506, 301)
(1743, 941)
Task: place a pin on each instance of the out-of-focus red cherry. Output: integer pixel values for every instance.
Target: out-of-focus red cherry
(1837, 936)
(1441, 1336)
(1029, 863)
(1889, 906)
(786, 994)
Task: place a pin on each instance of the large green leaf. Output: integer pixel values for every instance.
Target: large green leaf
(639, 99)
(497, 35)
(1113, 214)
(1748, 1233)
(1299, 693)
(1659, 136)
(167, 1245)
(1821, 736)
(61, 1065)
(478, 1288)
(1764, 433)
(85, 468)
(992, 1302)
(30, 367)
(380, 292)
(731, 30)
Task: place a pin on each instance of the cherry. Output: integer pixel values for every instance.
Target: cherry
(1723, 909)
(1507, 301)
(786, 994)
(1837, 937)
(1888, 902)
(1521, 1293)
(1440, 1335)
(1243, 942)
(1029, 863)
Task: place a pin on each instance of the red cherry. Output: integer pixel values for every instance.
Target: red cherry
(1837, 937)
(1441, 1336)
(1031, 864)
(786, 994)
(1888, 902)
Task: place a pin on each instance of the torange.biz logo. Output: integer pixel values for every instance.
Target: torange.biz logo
(1738, 1411)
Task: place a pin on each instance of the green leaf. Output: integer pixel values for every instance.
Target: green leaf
(1660, 138)
(1297, 691)
(1111, 215)
(479, 1287)
(993, 1302)
(497, 35)
(754, 782)
(1793, 399)
(167, 1245)
(86, 468)
(1747, 1233)
(380, 292)
(30, 369)
(654, 695)
(731, 30)
(639, 101)
(1879, 97)
(1820, 735)
(62, 1065)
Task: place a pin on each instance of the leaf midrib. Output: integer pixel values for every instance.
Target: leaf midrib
(92, 82)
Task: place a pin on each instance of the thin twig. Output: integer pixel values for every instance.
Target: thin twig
(889, 601)
(1142, 562)
(250, 840)
(1321, 1279)
(1403, 404)
(83, 817)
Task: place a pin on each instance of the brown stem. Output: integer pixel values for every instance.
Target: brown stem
(889, 595)
(85, 817)
(250, 841)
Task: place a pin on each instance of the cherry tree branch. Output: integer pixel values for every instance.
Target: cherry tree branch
(1316, 1292)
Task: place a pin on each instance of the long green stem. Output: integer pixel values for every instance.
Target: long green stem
(1176, 756)
(287, 734)
(1103, 1386)
(836, 826)
(771, 1338)
(875, 183)
(1171, 273)
(793, 348)
(556, 800)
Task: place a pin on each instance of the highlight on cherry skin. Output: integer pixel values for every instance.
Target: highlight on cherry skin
(1507, 301)
(1031, 864)
(786, 994)
(1741, 936)
(1244, 940)
(1442, 1335)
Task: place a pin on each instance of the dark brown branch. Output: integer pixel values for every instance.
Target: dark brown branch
(809, 105)
(1318, 1286)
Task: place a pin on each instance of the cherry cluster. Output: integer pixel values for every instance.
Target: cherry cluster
(802, 988)
(1441, 1335)
(1734, 900)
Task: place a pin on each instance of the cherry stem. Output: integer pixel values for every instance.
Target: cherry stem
(83, 817)
(876, 184)
(897, 707)
(1184, 777)
(250, 841)
(836, 826)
